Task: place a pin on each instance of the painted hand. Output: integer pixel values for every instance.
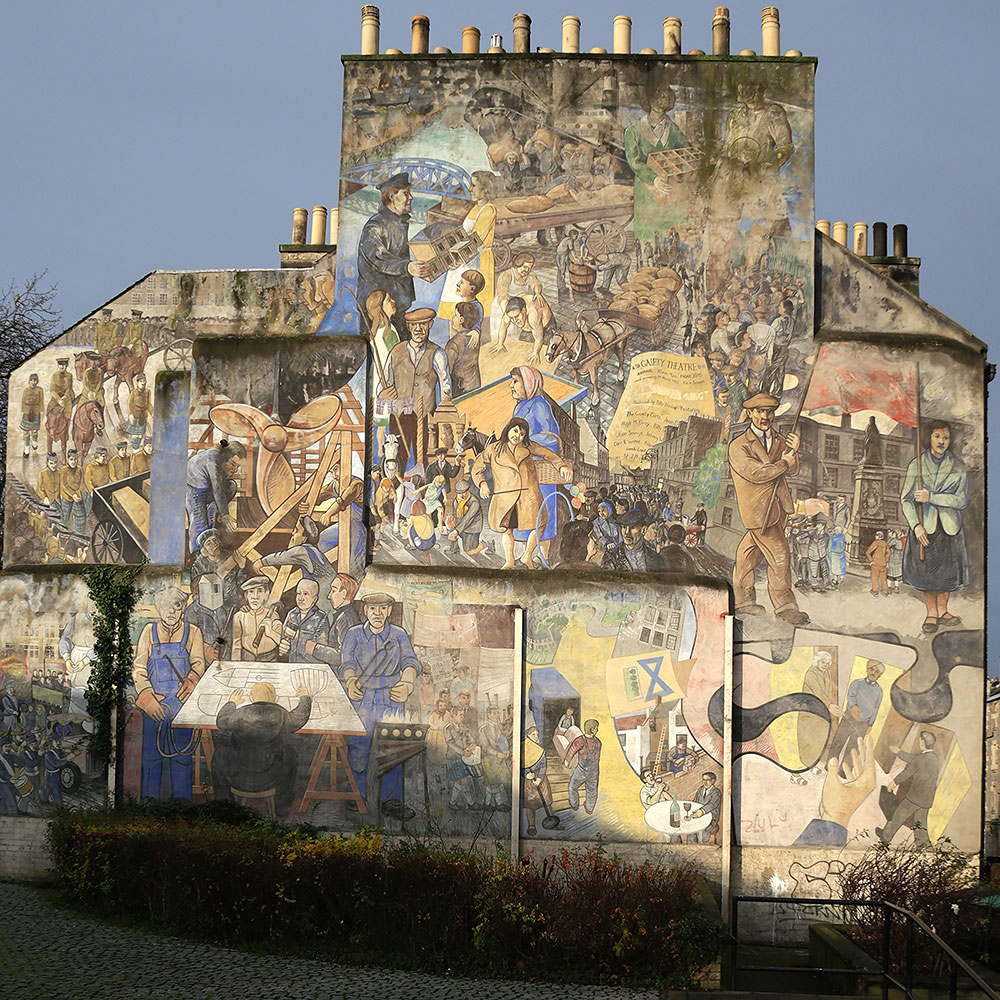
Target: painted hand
(921, 534)
(354, 689)
(922, 496)
(842, 796)
(149, 703)
(400, 691)
(187, 686)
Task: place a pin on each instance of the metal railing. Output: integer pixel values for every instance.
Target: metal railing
(890, 912)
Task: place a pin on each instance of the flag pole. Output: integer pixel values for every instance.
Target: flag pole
(795, 423)
(920, 475)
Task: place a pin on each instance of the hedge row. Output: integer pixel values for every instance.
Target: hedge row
(583, 915)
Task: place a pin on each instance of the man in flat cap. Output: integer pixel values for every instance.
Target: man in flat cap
(760, 460)
(384, 253)
(379, 668)
(636, 555)
(414, 372)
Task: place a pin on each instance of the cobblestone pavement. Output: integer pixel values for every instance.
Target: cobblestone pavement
(48, 953)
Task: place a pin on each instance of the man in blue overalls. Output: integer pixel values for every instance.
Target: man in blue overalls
(169, 662)
(379, 668)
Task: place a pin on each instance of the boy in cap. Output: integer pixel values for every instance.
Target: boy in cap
(120, 467)
(256, 631)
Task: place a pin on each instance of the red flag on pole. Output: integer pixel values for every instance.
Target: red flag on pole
(847, 378)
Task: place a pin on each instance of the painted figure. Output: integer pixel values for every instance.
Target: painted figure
(304, 623)
(864, 698)
(584, 756)
(761, 460)
(74, 510)
(516, 499)
(934, 494)
(140, 408)
(211, 486)
(32, 404)
(877, 555)
(257, 757)
(709, 800)
(384, 252)
(169, 662)
(378, 668)
(256, 628)
(910, 795)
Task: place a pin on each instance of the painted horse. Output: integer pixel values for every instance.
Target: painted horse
(57, 426)
(588, 346)
(88, 422)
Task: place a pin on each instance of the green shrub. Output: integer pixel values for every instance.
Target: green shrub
(227, 875)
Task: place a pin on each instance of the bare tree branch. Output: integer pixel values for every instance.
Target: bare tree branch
(28, 320)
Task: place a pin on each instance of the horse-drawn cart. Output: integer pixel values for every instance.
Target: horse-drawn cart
(648, 301)
(122, 511)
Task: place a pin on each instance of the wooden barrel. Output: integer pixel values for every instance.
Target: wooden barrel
(582, 277)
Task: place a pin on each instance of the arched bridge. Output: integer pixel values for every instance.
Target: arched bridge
(426, 176)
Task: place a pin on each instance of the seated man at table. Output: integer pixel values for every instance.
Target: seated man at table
(709, 799)
(256, 758)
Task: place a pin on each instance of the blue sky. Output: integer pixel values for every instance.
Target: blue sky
(181, 135)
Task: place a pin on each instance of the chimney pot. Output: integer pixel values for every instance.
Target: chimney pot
(317, 236)
(420, 34)
(823, 225)
(598, 50)
(648, 52)
(840, 233)
(770, 32)
(747, 52)
(899, 240)
(571, 33)
(334, 224)
(369, 30)
(696, 52)
(522, 33)
(672, 36)
(793, 54)
(496, 43)
(720, 32)
(393, 52)
(861, 239)
(470, 40)
(300, 219)
(622, 34)
(880, 232)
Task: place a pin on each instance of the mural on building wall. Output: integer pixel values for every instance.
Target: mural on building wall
(368, 720)
(79, 449)
(45, 664)
(553, 263)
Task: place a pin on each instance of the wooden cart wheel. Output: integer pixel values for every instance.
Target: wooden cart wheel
(177, 356)
(108, 542)
(674, 309)
(502, 256)
(605, 237)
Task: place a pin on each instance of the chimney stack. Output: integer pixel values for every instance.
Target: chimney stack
(522, 33)
(770, 32)
(571, 34)
(622, 34)
(672, 36)
(300, 218)
(420, 35)
(369, 30)
(720, 32)
(317, 237)
(861, 239)
(470, 40)
(880, 242)
(840, 233)
(823, 225)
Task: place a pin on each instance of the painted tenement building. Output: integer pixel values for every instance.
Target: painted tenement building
(449, 520)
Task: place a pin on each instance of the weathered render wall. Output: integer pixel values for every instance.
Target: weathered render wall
(619, 254)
